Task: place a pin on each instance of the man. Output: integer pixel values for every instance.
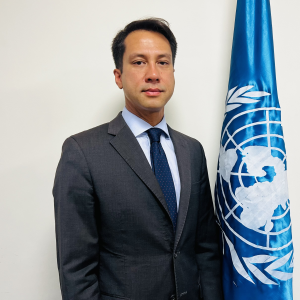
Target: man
(133, 208)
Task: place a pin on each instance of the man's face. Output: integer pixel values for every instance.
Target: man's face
(148, 74)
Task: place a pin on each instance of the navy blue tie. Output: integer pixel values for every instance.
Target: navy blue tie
(162, 172)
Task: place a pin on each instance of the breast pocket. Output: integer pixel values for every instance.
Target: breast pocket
(195, 187)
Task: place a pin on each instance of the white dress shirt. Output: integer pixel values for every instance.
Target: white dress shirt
(138, 128)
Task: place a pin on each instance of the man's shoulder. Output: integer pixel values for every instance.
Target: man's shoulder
(97, 132)
(100, 133)
(90, 138)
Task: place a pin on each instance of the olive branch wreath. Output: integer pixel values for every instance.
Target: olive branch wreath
(237, 97)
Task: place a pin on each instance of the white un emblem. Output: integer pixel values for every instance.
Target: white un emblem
(252, 193)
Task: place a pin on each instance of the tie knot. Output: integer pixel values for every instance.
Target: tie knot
(154, 134)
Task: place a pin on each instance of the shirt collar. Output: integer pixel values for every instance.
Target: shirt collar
(139, 126)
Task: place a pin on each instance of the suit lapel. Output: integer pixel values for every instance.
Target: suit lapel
(183, 161)
(129, 148)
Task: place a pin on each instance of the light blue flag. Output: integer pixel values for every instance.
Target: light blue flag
(251, 195)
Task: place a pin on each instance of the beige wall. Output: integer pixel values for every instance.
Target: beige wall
(57, 80)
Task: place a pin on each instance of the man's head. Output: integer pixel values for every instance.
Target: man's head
(151, 24)
(144, 54)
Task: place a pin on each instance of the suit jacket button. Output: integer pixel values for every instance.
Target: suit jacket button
(173, 297)
(176, 254)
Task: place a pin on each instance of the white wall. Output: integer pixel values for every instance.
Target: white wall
(57, 80)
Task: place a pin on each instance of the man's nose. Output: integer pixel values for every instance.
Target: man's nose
(152, 74)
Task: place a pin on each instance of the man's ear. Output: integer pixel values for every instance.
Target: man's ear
(118, 78)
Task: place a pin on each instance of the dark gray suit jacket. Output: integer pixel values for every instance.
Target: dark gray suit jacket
(114, 234)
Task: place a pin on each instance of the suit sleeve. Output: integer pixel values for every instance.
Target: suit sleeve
(76, 225)
(207, 245)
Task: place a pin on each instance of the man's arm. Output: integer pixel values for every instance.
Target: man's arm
(207, 246)
(76, 227)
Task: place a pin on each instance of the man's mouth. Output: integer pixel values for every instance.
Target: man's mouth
(152, 92)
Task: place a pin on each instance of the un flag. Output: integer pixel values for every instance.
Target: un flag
(251, 194)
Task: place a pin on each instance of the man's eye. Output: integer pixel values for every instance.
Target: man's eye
(138, 63)
(163, 63)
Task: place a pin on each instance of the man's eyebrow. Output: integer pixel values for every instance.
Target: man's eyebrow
(167, 55)
(134, 55)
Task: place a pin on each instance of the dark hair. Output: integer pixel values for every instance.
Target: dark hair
(150, 24)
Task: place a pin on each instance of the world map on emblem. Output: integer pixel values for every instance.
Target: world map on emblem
(252, 199)
(255, 170)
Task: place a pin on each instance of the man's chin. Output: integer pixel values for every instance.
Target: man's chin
(153, 108)
(153, 104)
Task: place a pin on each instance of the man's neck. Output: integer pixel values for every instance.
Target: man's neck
(151, 117)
